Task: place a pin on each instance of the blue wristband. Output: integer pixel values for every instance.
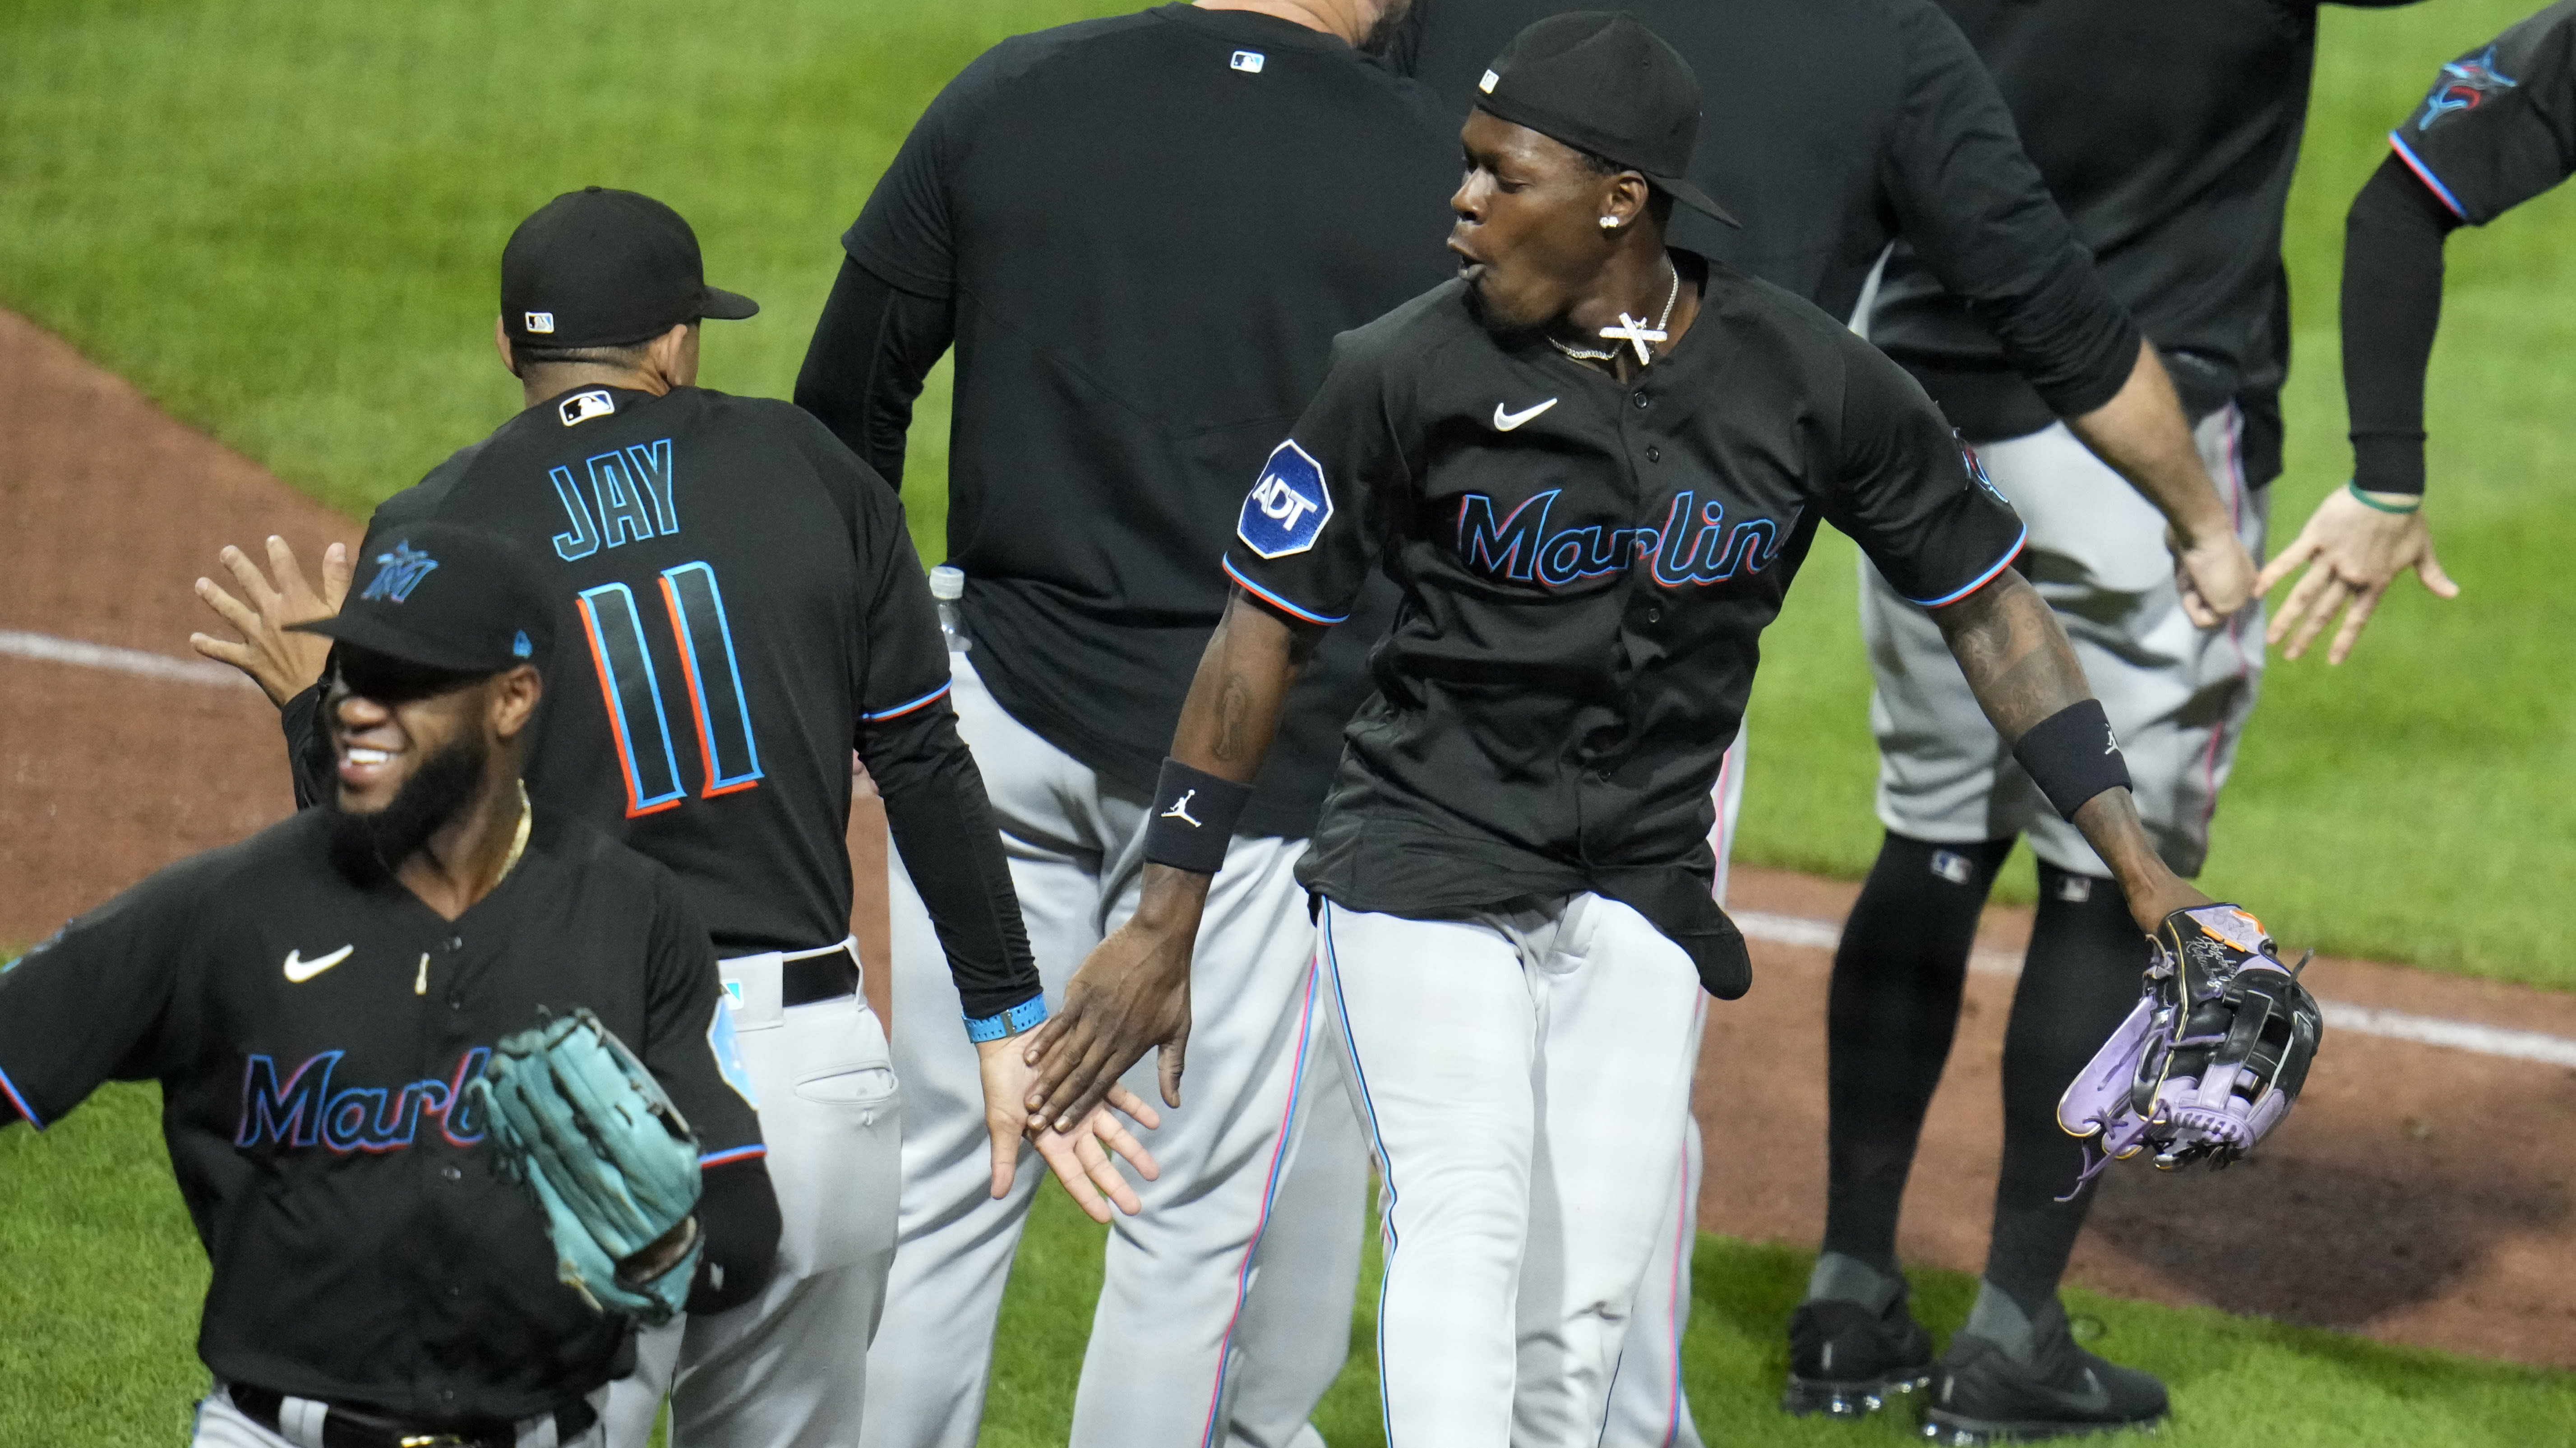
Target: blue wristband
(1026, 1016)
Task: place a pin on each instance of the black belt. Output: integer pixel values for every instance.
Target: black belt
(822, 975)
(358, 1428)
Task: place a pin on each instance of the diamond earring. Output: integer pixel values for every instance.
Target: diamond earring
(1609, 223)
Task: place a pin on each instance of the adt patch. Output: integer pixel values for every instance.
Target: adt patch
(728, 1055)
(1287, 510)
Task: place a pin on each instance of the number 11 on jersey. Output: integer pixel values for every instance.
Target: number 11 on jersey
(633, 691)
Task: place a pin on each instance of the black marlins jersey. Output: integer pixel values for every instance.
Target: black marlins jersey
(739, 605)
(2499, 125)
(1147, 230)
(313, 1026)
(1586, 568)
(2168, 133)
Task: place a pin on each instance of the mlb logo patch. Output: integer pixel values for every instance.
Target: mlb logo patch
(541, 322)
(581, 407)
(1249, 62)
(1287, 510)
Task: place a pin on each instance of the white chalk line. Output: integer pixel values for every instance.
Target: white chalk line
(1799, 930)
(46, 648)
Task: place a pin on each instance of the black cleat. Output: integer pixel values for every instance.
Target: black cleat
(1983, 1396)
(1847, 1362)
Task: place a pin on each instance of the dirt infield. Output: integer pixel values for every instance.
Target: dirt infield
(2421, 1194)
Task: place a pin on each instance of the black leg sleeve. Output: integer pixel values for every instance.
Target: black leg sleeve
(1893, 1011)
(738, 1215)
(2080, 979)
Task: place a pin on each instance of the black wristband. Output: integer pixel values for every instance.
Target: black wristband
(1193, 818)
(2072, 755)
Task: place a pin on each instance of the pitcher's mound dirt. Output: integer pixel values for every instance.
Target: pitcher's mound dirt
(2419, 1195)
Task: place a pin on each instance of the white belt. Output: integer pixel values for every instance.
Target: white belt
(753, 983)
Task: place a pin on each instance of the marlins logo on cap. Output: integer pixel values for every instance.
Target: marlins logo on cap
(398, 573)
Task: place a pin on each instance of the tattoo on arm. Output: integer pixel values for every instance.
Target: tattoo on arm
(1234, 713)
(2014, 654)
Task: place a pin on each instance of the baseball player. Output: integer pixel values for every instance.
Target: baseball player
(1513, 859)
(745, 606)
(2497, 128)
(2169, 139)
(1911, 139)
(315, 1002)
(1140, 235)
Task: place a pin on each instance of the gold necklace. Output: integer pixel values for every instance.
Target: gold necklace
(518, 841)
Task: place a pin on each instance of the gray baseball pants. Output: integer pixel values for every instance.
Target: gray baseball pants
(2178, 696)
(1225, 1307)
(788, 1369)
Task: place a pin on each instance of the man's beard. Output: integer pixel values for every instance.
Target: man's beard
(428, 800)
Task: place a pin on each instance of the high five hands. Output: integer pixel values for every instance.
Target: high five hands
(282, 663)
(2355, 550)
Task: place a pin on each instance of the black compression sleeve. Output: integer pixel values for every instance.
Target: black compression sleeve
(943, 825)
(1977, 211)
(308, 753)
(2392, 306)
(738, 1216)
(864, 369)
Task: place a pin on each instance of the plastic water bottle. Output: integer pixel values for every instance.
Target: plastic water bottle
(949, 585)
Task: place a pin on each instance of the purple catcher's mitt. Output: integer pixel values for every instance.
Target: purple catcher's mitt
(2212, 1056)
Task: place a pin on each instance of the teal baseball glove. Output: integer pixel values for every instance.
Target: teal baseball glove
(577, 1117)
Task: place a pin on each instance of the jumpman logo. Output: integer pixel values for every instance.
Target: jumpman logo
(1180, 810)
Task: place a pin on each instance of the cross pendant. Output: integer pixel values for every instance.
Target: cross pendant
(1634, 332)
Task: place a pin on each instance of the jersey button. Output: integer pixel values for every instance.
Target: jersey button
(456, 1003)
(1639, 397)
(451, 1173)
(455, 943)
(1654, 454)
(1654, 613)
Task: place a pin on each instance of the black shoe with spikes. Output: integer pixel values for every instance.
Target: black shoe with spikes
(1983, 1395)
(1846, 1361)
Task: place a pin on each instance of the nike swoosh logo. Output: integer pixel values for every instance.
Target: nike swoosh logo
(1506, 421)
(2094, 1398)
(300, 970)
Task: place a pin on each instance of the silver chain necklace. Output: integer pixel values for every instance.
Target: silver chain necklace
(1631, 330)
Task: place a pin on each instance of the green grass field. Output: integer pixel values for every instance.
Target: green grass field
(283, 222)
(99, 1296)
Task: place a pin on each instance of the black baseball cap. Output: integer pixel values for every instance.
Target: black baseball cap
(449, 598)
(1604, 83)
(604, 268)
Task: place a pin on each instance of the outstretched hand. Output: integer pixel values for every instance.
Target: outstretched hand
(1132, 995)
(2353, 552)
(1080, 1158)
(2215, 575)
(282, 662)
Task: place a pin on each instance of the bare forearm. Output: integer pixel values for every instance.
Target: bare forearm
(2023, 671)
(2144, 437)
(2014, 654)
(1227, 725)
(1232, 714)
